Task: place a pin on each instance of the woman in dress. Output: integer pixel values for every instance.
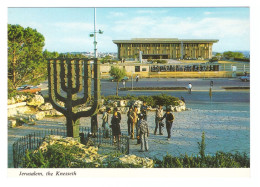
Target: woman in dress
(115, 124)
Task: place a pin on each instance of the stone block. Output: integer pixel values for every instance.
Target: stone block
(46, 106)
(11, 101)
(61, 103)
(11, 123)
(36, 100)
(18, 110)
(16, 105)
(20, 98)
(52, 112)
(19, 122)
(38, 115)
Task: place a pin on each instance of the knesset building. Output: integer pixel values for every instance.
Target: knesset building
(165, 48)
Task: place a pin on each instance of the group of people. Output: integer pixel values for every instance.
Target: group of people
(137, 124)
(115, 124)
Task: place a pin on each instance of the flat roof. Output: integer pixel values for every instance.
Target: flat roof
(165, 40)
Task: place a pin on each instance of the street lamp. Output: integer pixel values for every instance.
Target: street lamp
(93, 34)
(132, 81)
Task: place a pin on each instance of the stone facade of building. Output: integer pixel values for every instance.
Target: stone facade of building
(165, 48)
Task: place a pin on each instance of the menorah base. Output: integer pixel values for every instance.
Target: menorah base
(73, 129)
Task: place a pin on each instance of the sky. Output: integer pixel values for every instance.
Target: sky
(68, 29)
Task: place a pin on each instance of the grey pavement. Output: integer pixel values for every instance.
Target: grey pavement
(198, 84)
(226, 126)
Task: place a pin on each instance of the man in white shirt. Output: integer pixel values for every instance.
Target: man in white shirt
(158, 116)
(189, 88)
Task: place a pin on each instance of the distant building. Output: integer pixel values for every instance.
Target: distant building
(165, 48)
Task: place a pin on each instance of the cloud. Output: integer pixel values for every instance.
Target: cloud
(151, 11)
(74, 25)
(116, 14)
(175, 27)
(207, 13)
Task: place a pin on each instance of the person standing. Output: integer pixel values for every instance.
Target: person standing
(144, 110)
(123, 83)
(182, 98)
(129, 121)
(94, 125)
(169, 117)
(133, 116)
(189, 88)
(137, 78)
(158, 119)
(115, 124)
(105, 124)
(210, 89)
(143, 132)
(211, 84)
(118, 114)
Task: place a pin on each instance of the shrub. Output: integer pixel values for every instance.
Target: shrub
(64, 156)
(202, 146)
(160, 61)
(153, 100)
(56, 156)
(219, 160)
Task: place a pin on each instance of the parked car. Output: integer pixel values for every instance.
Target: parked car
(125, 78)
(245, 78)
(29, 88)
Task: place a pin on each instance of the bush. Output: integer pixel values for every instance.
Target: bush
(213, 59)
(160, 61)
(163, 99)
(62, 156)
(13, 93)
(69, 156)
(56, 156)
(219, 160)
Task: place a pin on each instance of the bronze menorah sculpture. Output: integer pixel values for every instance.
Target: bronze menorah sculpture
(66, 79)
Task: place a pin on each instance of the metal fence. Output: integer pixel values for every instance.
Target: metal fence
(34, 140)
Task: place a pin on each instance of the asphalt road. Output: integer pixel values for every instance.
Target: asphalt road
(200, 88)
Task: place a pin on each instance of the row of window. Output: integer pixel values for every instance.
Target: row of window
(164, 45)
(167, 51)
(184, 68)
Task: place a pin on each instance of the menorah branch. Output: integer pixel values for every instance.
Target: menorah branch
(66, 76)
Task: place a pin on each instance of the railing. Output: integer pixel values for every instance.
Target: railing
(34, 140)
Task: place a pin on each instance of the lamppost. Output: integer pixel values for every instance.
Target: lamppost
(93, 34)
(132, 81)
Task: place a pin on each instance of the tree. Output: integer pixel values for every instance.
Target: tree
(25, 57)
(106, 59)
(47, 54)
(118, 74)
(218, 54)
(230, 54)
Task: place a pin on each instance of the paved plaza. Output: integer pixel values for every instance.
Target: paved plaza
(225, 130)
(225, 119)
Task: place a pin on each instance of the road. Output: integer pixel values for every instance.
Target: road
(200, 88)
